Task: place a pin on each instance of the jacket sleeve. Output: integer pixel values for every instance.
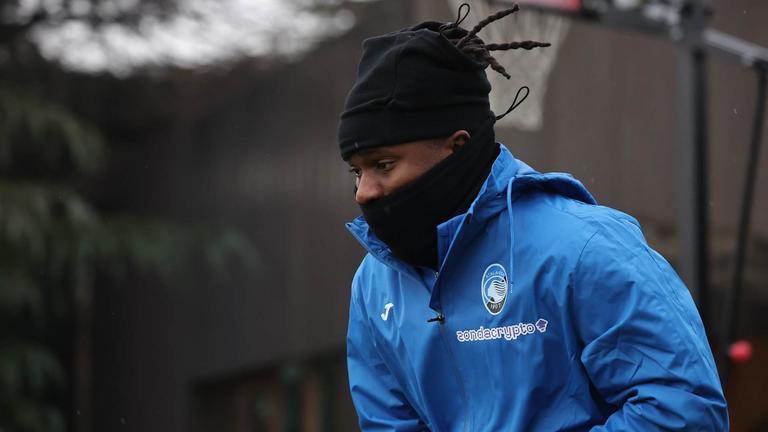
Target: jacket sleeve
(644, 345)
(380, 403)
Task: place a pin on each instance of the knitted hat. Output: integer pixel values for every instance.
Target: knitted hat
(413, 84)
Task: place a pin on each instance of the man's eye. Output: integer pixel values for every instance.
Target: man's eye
(384, 165)
(355, 172)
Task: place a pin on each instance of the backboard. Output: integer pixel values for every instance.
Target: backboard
(549, 21)
(661, 17)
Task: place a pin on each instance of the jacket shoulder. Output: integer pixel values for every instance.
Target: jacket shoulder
(568, 222)
(369, 270)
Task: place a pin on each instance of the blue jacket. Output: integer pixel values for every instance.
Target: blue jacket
(557, 316)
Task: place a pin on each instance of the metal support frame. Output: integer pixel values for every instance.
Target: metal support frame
(733, 296)
(686, 22)
(693, 160)
(692, 189)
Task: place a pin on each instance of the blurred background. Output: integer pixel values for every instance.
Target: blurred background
(173, 254)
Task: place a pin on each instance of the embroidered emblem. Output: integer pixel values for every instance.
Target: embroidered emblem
(494, 287)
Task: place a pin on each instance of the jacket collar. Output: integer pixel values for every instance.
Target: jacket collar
(506, 172)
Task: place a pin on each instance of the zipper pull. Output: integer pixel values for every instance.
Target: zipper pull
(439, 318)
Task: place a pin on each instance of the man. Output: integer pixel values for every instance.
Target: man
(494, 297)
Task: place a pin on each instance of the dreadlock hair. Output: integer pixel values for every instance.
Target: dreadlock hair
(470, 44)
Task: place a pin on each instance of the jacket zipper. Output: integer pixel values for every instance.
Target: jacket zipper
(455, 368)
(452, 359)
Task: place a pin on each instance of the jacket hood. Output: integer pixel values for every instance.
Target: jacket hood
(509, 177)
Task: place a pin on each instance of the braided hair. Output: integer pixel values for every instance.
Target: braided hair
(470, 44)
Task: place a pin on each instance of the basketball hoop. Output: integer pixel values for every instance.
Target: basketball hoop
(530, 68)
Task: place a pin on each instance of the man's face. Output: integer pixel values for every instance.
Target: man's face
(380, 171)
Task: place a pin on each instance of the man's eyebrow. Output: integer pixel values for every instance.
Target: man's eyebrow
(372, 152)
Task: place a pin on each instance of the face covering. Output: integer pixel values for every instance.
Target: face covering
(407, 219)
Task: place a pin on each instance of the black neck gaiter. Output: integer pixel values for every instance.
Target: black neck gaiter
(407, 219)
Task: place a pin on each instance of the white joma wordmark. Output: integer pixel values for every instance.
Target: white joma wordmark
(387, 307)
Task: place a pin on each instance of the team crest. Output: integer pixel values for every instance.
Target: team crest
(494, 288)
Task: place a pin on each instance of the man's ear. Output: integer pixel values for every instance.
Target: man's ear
(458, 139)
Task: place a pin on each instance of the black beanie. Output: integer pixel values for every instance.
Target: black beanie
(412, 84)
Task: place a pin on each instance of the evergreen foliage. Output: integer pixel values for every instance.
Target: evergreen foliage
(55, 250)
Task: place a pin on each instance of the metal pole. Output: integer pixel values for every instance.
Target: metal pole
(733, 296)
(693, 201)
(701, 178)
(692, 175)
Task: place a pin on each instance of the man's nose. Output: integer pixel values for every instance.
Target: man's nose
(368, 189)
